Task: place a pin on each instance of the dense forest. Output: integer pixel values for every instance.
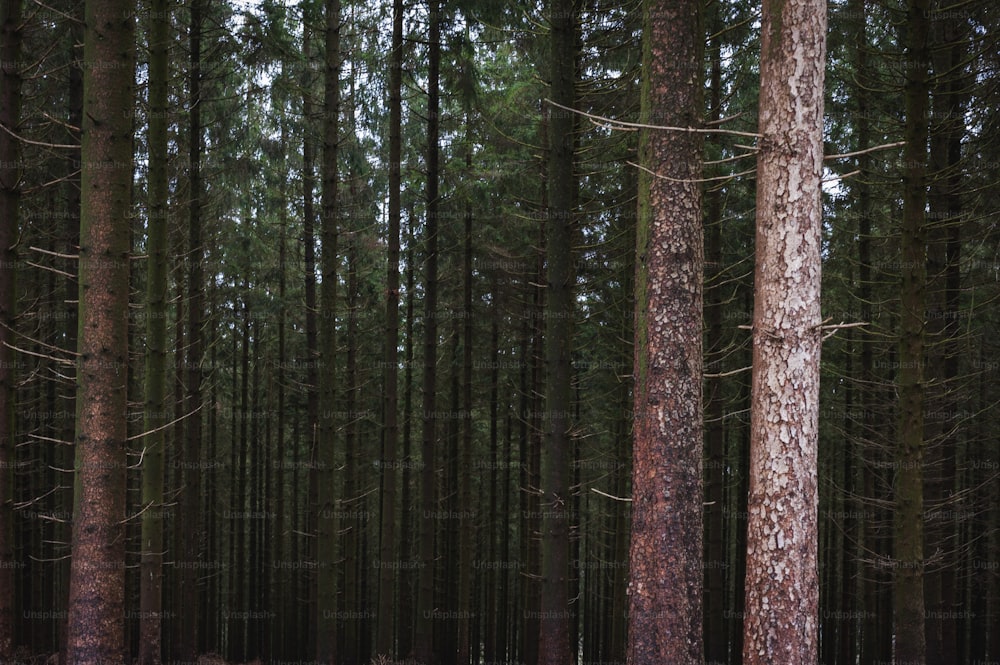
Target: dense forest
(451, 332)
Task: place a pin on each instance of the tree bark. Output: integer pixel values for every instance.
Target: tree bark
(665, 586)
(782, 585)
(151, 564)
(908, 527)
(555, 613)
(424, 627)
(384, 645)
(95, 629)
(326, 454)
(189, 538)
(10, 197)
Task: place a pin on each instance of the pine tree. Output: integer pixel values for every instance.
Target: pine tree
(10, 197)
(665, 586)
(97, 580)
(151, 578)
(782, 585)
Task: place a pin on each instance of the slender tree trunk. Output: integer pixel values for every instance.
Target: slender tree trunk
(151, 577)
(424, 628)
(944, 252)
(312, 334)
(782, 585)
(95, 631)
(665, 589)
(326, 458)
(10, 196)
(384, 645)
(466, 526)
(554, 499)
(276, 629)
(406, 594)
(71, 241)
(908, 529)
(190, 475)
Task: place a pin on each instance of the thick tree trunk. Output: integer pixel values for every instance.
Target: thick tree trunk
(95, 631)
(665, 586)
(782, 585)
(151, 566)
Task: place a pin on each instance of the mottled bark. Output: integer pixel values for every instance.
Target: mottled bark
(782, 586)
(151, 564)
(908, 527)
(95, 631)
(10, 196)
(665, 587)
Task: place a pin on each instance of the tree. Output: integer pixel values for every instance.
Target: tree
(424, 626)
(188, 534)
(908, 527)
(10, 197)
(782, 585)
(326, 452)
(554, 618)
(387, 546)
(151, 578)
(97, 578)
(665, 586)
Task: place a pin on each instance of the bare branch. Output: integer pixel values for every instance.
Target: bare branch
(632, 126)
(884, 146)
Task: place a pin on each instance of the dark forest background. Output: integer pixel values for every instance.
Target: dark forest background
(285, 414)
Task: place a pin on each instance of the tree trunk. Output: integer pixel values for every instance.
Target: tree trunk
(556, 454)
(782, 585)
(190, 475)
(10, 196)
(424, 627)
(908, 528)
(95, 631)
(151, 577)
(326, 455)
(384, 645)
(665, 586)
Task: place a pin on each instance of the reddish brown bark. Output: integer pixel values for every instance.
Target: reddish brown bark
(95, 632)
(782, 585)
(665, 590)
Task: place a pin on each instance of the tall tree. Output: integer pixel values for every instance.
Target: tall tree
(189, 550)
(97, 579)
(387, 548)
(781, 619)
(424, 626)
(665, 601)
(908, 527)
(10, 198)
(151, 577)
(326, 457)
(556, 455)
